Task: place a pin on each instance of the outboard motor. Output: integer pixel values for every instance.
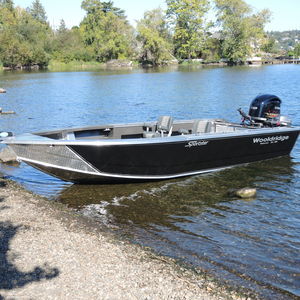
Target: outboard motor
(265, 109)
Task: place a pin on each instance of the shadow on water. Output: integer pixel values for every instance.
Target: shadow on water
(10, 276)
(245, 243)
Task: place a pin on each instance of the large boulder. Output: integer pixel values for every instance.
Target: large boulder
(119, 63)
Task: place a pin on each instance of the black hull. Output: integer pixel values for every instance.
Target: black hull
(135, 162)
(108, 160)
(167, 159)
(79, 178)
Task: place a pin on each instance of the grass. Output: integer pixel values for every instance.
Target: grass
(55, 65)
(75, 65)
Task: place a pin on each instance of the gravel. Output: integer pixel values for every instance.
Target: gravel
(49, 252)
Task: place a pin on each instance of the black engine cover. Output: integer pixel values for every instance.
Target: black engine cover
(265, 107)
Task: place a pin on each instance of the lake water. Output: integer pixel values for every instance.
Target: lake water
(253, 243)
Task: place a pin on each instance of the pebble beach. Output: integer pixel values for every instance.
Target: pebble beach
(50, 252)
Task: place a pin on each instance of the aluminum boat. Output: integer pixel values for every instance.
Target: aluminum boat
(158, 150)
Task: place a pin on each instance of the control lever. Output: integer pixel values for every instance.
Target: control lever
(245, 116)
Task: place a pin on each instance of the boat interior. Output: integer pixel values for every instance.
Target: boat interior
(264, 112)
(164, 127)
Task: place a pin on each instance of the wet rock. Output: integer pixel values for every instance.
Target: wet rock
(2, 91)
(8, 112)
(246, 192)
(119, 63)
(7, 155)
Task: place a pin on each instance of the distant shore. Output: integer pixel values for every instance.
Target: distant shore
(55, 65)
(48, 251)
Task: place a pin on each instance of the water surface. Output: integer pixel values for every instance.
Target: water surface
(248, 243)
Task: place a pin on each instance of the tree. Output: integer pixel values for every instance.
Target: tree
(190, 26)
(212, 51)
(269, 45)
(62, 27)
(108, 34)
(242, 31)
(109, 7)
(92, 6)
(9, 4)
(37, 11)
(61, 37)
(297, 50)
(67, 45)
(22, 39)
(154, 37)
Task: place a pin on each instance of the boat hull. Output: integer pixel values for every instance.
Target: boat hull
(140, 160)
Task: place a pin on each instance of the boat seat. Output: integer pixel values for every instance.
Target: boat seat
(203, 126)
(163, 128)
(150, 130)
(224, 129)
(183, 131)
(165, 125)
(69, 136)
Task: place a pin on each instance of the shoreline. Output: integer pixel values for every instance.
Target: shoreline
(74, 66)
(49, 251)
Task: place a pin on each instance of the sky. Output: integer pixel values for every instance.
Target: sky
(285, 14)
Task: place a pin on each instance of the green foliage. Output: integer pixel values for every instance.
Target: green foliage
(58, 65)
(269, 46)
(67, 45)
(190, 28)
(109, 7)
(154, 37)
(37, 11)
(242, 31)
(296, 51)
(9, 4)
(22, 39)
(212, 51)
(62, 27)
(26, 38)
(105, 31)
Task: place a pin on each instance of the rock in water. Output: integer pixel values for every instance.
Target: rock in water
(119, 63)
(9, 112)
(246, 192)
(7, 155)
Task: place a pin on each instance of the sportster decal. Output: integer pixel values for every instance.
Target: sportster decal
(196, 143)
(270, 139)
